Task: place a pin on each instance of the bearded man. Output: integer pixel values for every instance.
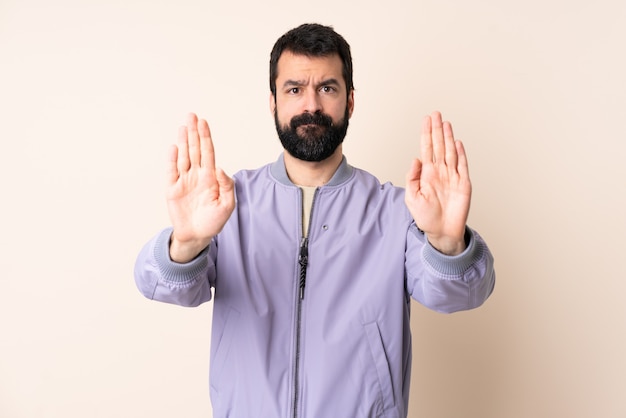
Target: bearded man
(311, 263)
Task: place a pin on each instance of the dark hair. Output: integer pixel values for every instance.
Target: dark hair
(312, 40)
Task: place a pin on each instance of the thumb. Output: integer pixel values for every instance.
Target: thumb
(172, 166)
(413, 178)
(415, 171)
(225, 183)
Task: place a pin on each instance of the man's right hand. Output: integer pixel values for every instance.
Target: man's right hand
(200, 198)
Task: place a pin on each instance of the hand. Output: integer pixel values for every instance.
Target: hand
(200, 198)
(438, 188)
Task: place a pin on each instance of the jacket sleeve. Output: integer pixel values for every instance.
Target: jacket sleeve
(448, 283)
(159, 278)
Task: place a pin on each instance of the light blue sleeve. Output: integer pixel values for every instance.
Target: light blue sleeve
(159, 278)
(449, 283)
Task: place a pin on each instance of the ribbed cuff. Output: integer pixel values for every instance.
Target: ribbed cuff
(455, 265)
(171, 271)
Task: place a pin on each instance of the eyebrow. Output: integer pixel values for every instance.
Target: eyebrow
(298, 83)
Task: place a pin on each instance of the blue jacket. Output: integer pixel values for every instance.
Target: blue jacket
(317, 327)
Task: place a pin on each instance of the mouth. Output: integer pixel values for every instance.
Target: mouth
(310, 126)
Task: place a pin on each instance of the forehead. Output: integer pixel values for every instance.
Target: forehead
(300, 67)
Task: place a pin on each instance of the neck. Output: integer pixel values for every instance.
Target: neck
(312, 173)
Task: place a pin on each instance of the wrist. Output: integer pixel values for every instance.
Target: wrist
(448, 245)
(185, 251)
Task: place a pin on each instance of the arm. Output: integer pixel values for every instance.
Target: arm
(177, 266)
(449, 266)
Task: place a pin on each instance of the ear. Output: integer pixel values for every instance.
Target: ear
(272, 103)
(350, 103)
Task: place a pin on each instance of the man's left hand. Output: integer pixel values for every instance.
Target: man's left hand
(438, 187)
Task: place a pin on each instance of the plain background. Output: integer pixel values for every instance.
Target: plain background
(92, 94)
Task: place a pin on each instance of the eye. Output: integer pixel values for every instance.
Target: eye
(293, 90)
(328, 89)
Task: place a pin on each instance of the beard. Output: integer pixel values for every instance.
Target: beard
(312, 136)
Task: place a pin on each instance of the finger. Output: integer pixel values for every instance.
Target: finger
(183, 154)
(172, 169)
(450, 147)
(207, 152)
(427, 140)
(437, 135)
(193, 139)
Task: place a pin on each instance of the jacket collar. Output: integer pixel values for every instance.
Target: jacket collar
(279, 172)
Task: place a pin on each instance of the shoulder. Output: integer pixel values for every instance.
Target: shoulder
(367, 193)
(252, 176)
(371, 182)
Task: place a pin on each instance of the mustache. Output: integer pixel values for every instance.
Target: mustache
(317, 118)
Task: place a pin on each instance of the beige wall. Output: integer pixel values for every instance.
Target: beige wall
(92, 93)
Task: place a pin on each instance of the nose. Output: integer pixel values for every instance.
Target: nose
(312, 101)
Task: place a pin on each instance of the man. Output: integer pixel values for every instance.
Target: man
(310, 262)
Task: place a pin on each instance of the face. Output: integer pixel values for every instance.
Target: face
(311, 107)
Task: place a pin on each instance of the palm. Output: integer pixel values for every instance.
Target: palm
(438, 189)
(195, 205)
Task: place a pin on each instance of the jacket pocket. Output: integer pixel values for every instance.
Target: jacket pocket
(379, 359)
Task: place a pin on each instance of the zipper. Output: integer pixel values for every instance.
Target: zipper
(303, 261)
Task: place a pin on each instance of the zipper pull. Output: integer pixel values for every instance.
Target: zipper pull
(303, 259)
